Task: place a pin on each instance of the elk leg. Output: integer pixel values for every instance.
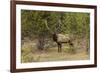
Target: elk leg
(70, 43)
(59, 47)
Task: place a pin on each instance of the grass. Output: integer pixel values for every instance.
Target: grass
(31, 54)
(52, 55)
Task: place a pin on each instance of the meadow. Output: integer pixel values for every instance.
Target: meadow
(31, 54)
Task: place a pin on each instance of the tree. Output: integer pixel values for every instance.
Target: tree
(33, 24)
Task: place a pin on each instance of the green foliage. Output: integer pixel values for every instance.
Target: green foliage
(73, 23)
(65, 22)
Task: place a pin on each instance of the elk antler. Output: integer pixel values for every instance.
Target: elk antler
(45, 21)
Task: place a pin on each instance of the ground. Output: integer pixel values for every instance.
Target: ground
(31, 54)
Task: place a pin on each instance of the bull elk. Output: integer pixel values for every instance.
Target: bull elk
(59, 38)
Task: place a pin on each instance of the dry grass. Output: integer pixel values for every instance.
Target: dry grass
(30, 53)
(51, 54)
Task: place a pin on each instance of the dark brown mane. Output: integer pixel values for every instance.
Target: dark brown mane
(55, 37)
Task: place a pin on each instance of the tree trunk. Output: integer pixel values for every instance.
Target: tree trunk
(41, 43)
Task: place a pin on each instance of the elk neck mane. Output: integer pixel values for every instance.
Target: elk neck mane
(55, 37)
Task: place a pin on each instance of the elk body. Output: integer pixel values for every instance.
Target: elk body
(60, 38)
